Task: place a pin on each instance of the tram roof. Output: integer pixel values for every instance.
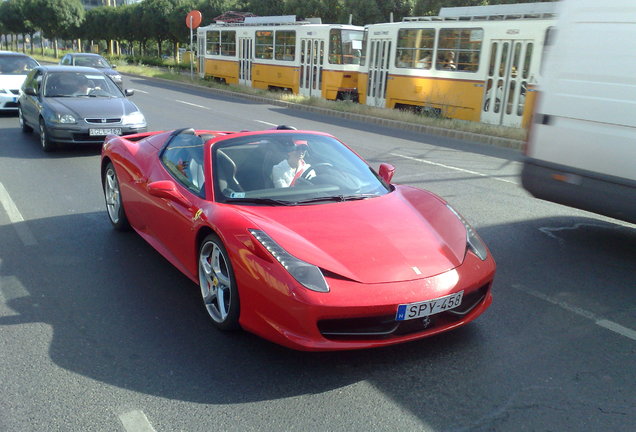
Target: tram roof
(493, 12)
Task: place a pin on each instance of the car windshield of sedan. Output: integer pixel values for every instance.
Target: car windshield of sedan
(291, 169)
(91, 61)
(16, 64)
(80, 84)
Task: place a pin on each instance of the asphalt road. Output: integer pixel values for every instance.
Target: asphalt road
(99, 333)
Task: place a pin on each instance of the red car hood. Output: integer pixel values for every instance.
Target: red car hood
(405, 235)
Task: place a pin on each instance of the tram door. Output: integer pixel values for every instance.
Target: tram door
(507, 82)
(201, 54)
(312, 52)
(379, 54)
(245, 61)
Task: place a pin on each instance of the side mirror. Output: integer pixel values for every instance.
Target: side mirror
(30, 91)
(129, 92)
(113, 66)
(168, 190)
(386, 172)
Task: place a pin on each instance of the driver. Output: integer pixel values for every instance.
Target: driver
(84, 86)
(285, 173)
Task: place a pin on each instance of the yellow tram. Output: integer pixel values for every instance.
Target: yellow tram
(279, 53)
(475, 63)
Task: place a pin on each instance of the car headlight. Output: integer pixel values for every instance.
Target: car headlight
(63, 118)
(306, 274)
(474, 242)
(134, 118)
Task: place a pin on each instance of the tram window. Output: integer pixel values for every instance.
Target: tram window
(527, 61)
(550, 33)
(515, 59)
(212, 43)
(345, 46)
(415, 48)
(493, 59)
(363, 54)
(285, 47)
(459, 49)
(228, 43)
(264, 46)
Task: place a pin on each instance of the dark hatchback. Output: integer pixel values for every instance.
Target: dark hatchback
(79, 105)
(95, 61)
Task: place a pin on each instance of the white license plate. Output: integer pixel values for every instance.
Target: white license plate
(104, 132)
(428, 307)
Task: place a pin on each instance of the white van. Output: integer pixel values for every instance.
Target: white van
(581, 149)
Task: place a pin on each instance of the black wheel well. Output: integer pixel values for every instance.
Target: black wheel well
(105, 162)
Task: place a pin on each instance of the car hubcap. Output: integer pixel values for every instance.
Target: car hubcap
(111, 192)
(215, 281)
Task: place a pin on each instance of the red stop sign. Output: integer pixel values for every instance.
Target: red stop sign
(193, 19)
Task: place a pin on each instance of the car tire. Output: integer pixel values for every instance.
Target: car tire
(218, 285)
(114, 202)
(25, 127)
(45, 140)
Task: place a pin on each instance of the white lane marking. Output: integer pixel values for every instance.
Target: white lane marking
(601, 322)
(16, 218)
(450, 167)
(136, 421)
(140, 91)
(191, 104)
(266, 123)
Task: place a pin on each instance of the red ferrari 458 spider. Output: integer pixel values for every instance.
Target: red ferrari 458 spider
(292, 236)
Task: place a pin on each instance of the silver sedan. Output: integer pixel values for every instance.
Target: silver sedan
(79, 105)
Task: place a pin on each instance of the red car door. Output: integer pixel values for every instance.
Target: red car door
(175, 193)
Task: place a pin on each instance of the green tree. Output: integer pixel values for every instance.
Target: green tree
(179, 32)
(330, 11)
(154, 19)
(364, 11)
(57, 17)
(266, 7)
(399, 9)
(213, 8)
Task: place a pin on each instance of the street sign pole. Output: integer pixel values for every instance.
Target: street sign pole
(191, 51)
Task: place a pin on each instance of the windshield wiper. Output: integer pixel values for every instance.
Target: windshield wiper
(337, 198)
(266, 201)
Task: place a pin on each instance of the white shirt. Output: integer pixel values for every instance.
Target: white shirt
(283, 174)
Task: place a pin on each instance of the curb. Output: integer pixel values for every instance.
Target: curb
(396, 124)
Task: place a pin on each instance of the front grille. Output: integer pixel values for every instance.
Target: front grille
(386, 327)
(103, 121)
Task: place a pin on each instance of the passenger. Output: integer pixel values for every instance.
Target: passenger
(285, 173)
(448, 61)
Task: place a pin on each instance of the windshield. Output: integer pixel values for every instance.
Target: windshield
(16, 65)
(80, 84)
(291, 169)
(91, 61)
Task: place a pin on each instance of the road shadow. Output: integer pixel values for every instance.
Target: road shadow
(122, 315)
(19, 145)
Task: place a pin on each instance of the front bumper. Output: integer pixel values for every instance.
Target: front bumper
(9, 102)
(355, 315)
(74, 134)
